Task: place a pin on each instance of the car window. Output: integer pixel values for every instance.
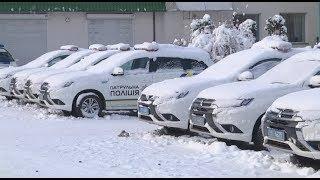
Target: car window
(170, 63)
(198, 65)
(135, 65)
(263, 66)
(99, 61)
(5, 57)
(56, 59)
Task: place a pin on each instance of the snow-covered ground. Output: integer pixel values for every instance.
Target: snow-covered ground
(36, 142)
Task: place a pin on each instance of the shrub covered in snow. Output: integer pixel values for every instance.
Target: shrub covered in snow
(275, 26)
(201, 32)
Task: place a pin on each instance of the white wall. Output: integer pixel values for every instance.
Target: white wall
(142, 27)
(60, 32)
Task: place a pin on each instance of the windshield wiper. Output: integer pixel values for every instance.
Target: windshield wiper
(279, 82)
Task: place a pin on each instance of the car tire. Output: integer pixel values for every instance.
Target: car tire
(89, 107)
(258, 138)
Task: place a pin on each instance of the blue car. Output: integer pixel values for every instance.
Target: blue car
(6, 59)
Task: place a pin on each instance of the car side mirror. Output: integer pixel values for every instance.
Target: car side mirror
(245, 76)
(314, 81)
(46, 65)
(117, 71)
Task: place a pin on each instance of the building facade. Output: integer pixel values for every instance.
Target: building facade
(29, 29)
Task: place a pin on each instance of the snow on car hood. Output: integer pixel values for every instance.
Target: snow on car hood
(175, 86)
(239, 90)
(294, 101)
(11, 70)
(60, 79)
(25, 73)
(40, 76)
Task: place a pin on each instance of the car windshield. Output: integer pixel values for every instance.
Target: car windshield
(234, 63)
(290, 72)
(5, 57)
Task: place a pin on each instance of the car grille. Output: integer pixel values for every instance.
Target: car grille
(145, 97)
(283, 114)
(202, 106)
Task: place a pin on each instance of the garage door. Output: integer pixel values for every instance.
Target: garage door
(110, 31)
(26, 39)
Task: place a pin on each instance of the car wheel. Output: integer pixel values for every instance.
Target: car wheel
(89, 107)
(258, 138)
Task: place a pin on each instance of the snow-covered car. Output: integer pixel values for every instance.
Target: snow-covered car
(34, 81)
(116, 83)
(44, 60)
(292, 122)
(233, 111)
(6, 58)
(167, 103)
(20, 78)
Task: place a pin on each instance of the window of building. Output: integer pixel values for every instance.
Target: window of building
(295, 23)
(255, 17)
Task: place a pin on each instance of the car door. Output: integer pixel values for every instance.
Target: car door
(263, 66)
(124, 90)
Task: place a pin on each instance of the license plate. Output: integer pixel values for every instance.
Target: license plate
(276, 134)
(198, 120)
(41, 96)
(144, 110)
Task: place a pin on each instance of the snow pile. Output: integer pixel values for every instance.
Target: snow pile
(69, 47)
(317, 46)
(275, 26)
(119, 46)
(98, 47)
(153, 46)
(46, 144)
(275, 42)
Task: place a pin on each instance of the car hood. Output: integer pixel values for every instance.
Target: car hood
(306, 100)
(239, 90)
(177, 85)
(60, 79)
(11, 70)
(27, 72)
(40, 76)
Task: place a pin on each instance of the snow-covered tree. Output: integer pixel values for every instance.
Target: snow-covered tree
(201, 33)
(225, 41)
(246, 32)
(275, 26)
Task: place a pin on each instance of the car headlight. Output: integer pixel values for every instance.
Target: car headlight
(243, 102)
(183, 94)
(67, 84)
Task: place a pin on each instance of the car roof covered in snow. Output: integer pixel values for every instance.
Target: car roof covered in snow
(236, 62)
(165, 50)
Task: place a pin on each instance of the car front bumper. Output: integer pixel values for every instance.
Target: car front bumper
(294, 141)
(56, 99)
(169, 113)
(232, 123)
(5, 87)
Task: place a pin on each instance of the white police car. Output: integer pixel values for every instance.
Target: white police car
(116, 83)
(44, 60)
(233, 111)
(101, 53)
(6, 58)
(167, 103)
